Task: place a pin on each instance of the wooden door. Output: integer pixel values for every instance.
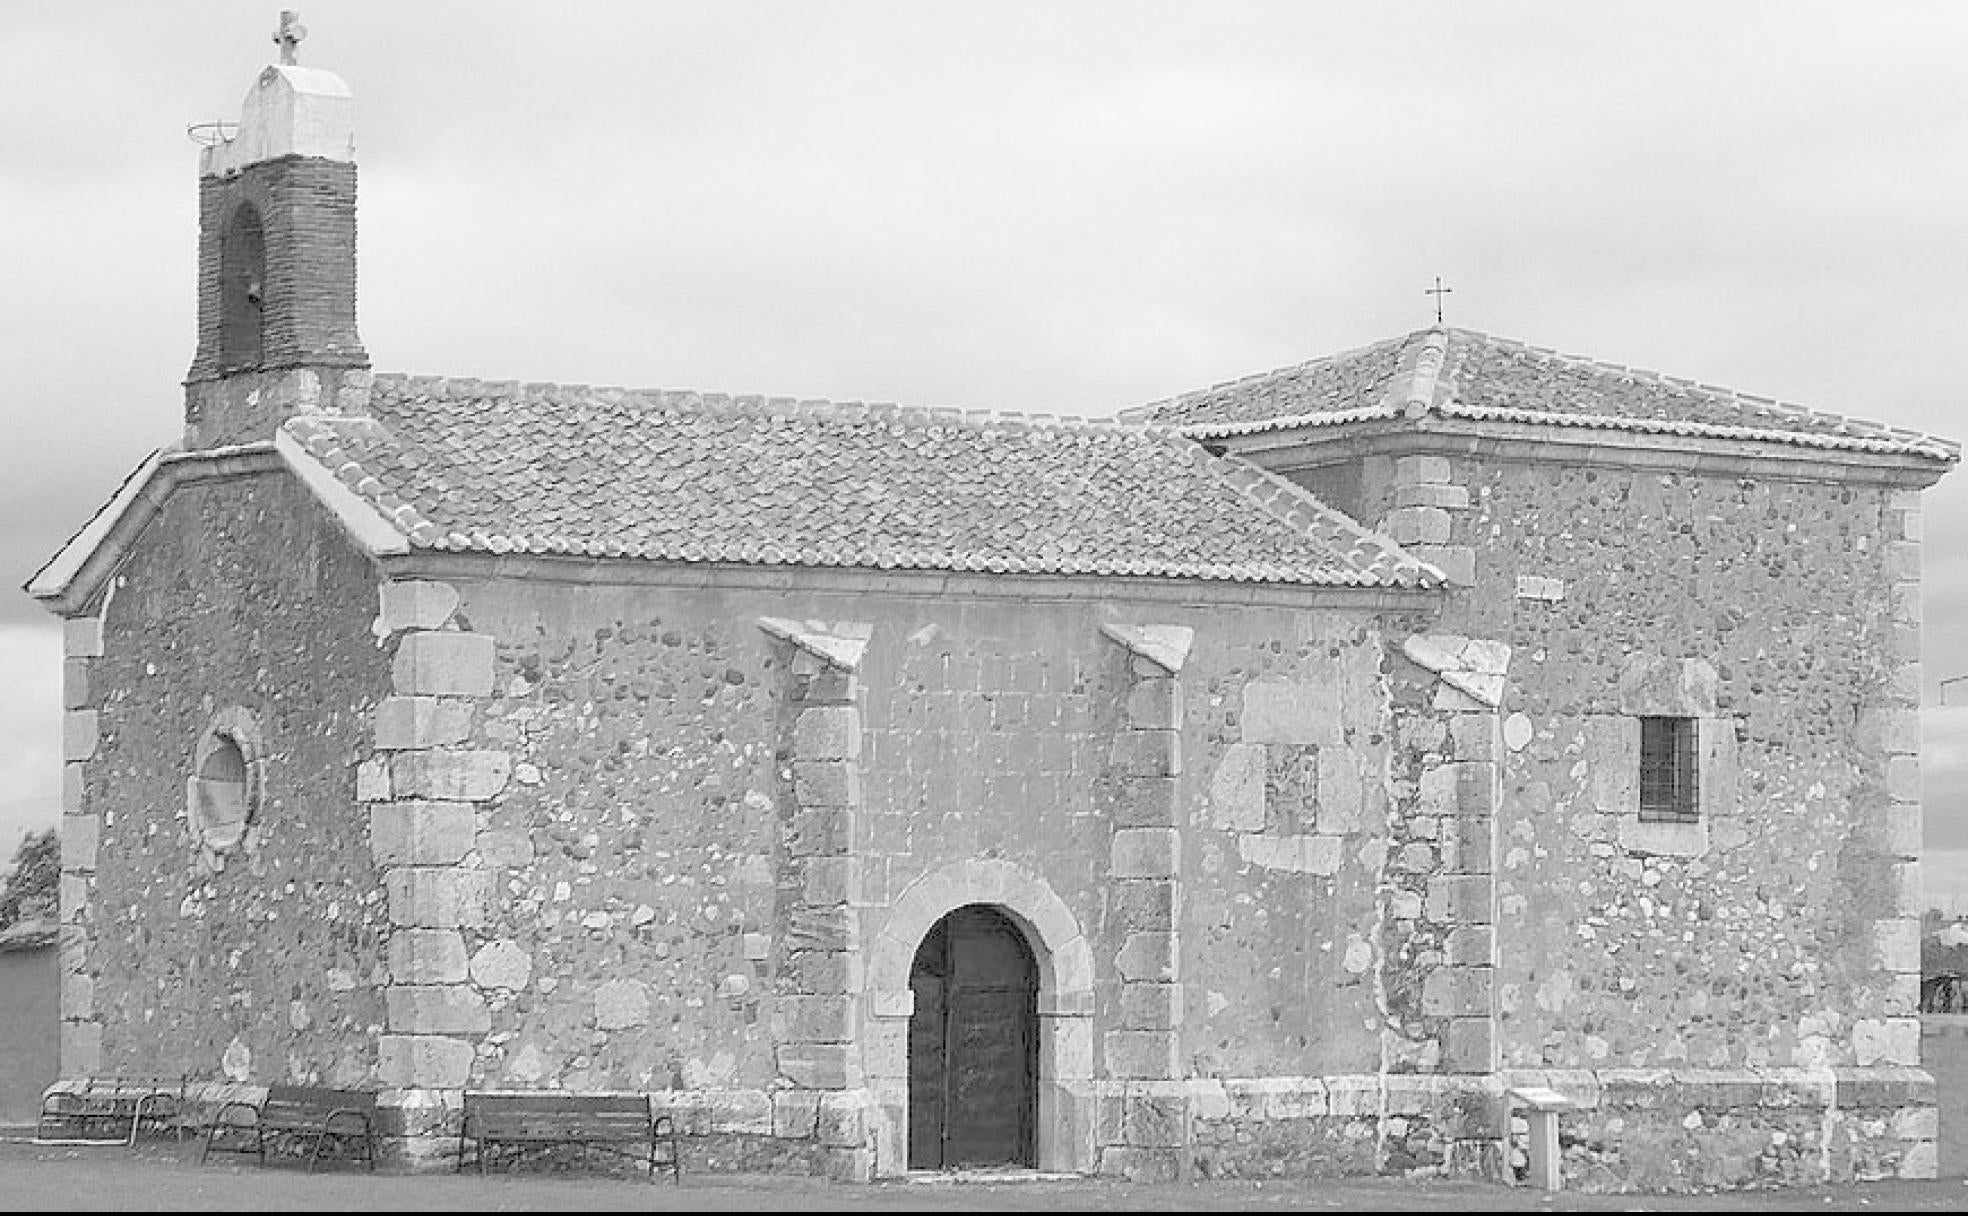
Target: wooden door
(973, 1044)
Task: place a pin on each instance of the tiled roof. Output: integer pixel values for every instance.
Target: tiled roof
(1458, 373)
(464, 465)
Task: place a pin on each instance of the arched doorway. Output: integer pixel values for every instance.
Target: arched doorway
(973, 1044)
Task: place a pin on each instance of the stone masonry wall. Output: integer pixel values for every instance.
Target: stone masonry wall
(241, 604)
(1782, 616)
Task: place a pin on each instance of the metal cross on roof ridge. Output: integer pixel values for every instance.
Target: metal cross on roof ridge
(1438, 291)
(288, 36)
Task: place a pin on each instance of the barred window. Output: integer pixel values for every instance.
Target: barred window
(1667, 770)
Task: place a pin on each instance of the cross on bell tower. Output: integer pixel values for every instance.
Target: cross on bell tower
(288, 36)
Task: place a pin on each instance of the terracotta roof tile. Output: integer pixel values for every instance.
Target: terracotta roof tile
(1463, 374)
(682, 476)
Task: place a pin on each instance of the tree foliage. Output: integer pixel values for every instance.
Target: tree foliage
(31, 885)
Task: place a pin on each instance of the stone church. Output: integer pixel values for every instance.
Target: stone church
(1266, 782)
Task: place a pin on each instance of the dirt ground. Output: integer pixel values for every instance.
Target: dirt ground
(166, 1176)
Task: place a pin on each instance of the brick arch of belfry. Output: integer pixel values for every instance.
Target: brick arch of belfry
(1064, 1134)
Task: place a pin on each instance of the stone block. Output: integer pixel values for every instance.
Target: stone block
(75, 683)
(1449, 497)
(829, 732)
(1144, 905)
(1469, 844)
(1456, 562)
(822, 928)
(1422, 470)
(1886, 1041)
(1476, 737)
(621, 1004)
(1354, 1096)
(427, 956)
(416, 833)
(1155, 704)
(1889, 731)
(1903, 778)
(813, 1019)
(436, 1009)
(831, 880)
(1144, 853)
(415, 604)
(1147, 753)
(1418, 525)
(1277, 711)
(1896, 944)
(72, 894)
(412, 722)
(422, 1061)
(79, 734)
(80, 837)
(1882, 1087)
(372, 780)
(1146, 802)
(1149, 957)
(1470, 1045)
(1471, 946)
(1916, 1123)
(795, 1113)
(81, 1048)
(1141, 1054)
(822, 832)
(843, 1119)
(818, 1065)
(1148, 1006)
(444, 664)
(1297, 854)
(75, 788)
(450, 776)
(827, 783)
(824, 970)
(82, 637)
(1458, 992)
(78, 997)
(504, 848)
(501, 963)
(438, 897)
(1461, 899)
(1342, 792)
(1154, 1122)
(1894, 829)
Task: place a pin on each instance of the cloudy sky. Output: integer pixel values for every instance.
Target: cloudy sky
(1066, 208)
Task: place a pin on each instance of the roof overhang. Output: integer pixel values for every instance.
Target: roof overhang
(1755, 455)
(70, 580)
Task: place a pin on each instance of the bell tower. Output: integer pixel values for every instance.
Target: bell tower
(276, 258)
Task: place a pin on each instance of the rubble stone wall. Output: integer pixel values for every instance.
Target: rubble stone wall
(263, 961)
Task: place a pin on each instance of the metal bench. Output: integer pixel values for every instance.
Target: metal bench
(514, 1123)
(312, 1118)
(112, 1110)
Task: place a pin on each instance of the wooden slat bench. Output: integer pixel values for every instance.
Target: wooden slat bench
(112, 1110)
(313, 1117)
(513, 1123)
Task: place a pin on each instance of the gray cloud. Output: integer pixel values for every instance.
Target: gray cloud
(1027, 206)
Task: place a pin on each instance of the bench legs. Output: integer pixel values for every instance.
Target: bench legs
(1545, 1157)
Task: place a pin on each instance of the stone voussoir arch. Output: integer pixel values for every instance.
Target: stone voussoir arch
(1065, 1003)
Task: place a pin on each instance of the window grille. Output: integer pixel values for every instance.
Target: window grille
(1667, 770)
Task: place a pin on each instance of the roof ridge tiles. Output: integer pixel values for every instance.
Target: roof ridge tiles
(1286, 369)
